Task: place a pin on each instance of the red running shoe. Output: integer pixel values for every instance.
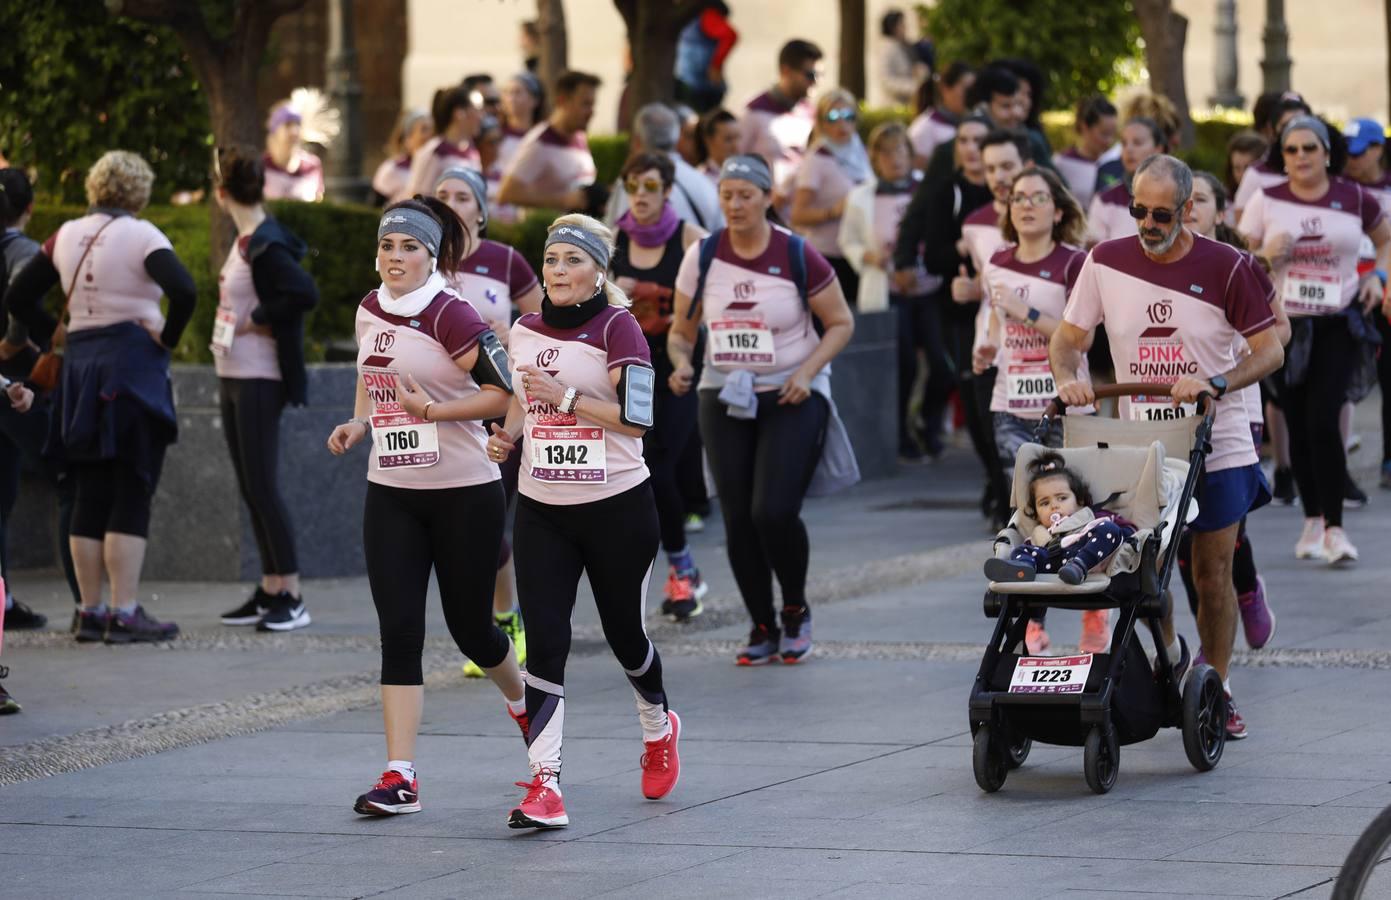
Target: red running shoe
(661, 763)
(392, 796)
(522, 722)
(543, 807)
(1236, 725)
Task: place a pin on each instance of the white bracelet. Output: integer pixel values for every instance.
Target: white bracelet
(569, 401)
(363, 421)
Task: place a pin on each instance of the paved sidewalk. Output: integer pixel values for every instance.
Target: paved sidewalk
(226, 763)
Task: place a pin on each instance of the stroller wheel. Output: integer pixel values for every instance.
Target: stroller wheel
(988, 763)
(1101, 761)
(1204, 718)
(1018, 751)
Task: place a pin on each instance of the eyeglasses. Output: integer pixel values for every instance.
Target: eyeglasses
(1296, 149)
(650, 185)
(1161, 216)
(1037, 198)
(843, 114)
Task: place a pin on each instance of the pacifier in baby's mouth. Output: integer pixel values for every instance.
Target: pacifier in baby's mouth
(1055, 518)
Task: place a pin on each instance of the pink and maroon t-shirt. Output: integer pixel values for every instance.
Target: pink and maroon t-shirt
(890, 206)
(302, 179)
(1024, 384)
(549, 161)
(1251, 394)
(1257, 177)
(1079, 173)
(755, 316)
(408, 452)
(241, 349)
(981, 232)
(1367, 254)
(113, 285)
(506, 151)
(828, 183)
(1319, 276)
(779, 133)
(1165, 321)
(433, 158)
(391, 178)
(1108, 217)
(928, 130)
(567, 459)
(491, 279)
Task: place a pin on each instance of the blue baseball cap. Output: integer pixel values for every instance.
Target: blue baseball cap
(1363, 133)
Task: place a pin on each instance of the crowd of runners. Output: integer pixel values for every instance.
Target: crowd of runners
(684, 321)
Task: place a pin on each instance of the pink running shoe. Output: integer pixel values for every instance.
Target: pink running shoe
(1096, 630)
(1257, 619)
(543, 807)
(661, 763)
(1036, 640)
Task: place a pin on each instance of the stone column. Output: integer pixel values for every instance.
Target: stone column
(1226, 57)
(344, 180)
(1276, 65)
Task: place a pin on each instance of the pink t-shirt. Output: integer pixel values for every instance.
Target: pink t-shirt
(889, 209)
(756, 319)
(1319, 276)
(252, 353)
(491, 279)
(1367, 253)
(1024, 384)
(549, 161)
(778, 133)
(828, 183)
(1257, 177)
(432, 159)
(303, 179)
(567, 459)
(506, 151)
(928, 130)
(1109, 217)
(1165, 321)
(1079, 173)
(981, 232)
(391, 178)
(1251, 394)
(410, 452)
(114, 286)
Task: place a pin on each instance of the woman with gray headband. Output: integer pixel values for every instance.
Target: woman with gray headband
(765, 405)
(1310, 230)
(429, 372)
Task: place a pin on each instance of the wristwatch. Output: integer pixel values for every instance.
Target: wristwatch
(567, 403)
(1219, 384)
(1033, 314)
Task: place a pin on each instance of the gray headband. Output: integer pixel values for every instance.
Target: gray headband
(587, 241)
(1307, 123)
(474, 179)
(750, 169)
(421, 226)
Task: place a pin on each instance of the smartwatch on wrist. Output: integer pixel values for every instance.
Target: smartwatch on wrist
(1219, 384)
(1033, 314)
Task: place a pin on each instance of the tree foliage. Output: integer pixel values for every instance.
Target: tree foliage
(76, 81)
(1077, 45)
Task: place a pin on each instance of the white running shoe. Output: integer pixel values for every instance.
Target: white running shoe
(1337, 549)
(1310, 545)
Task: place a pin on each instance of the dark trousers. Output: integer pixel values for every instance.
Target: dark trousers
(22, 437)
(959, 332)
(1317, 454)
(663, 447)
(251, 410)
(920, 329)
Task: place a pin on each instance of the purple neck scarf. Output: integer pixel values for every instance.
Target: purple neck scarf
(654, 235)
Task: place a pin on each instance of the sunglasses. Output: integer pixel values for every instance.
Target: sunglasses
(841, 115)
(650, 185)
(809, 74)
(1296, 149)
(1161, 216)
(1037, 198)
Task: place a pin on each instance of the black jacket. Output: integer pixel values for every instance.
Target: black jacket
(286, 293)
(932, 224)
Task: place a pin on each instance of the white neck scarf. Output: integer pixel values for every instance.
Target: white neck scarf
(412, 303)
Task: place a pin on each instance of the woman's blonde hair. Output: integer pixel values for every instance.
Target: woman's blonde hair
(889, 133)
(120, 179)
(831, 99)
(612, 291)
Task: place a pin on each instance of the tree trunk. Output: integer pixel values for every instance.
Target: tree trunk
(653, 31)
(852, 46)
(1165, 33)
(555, 47)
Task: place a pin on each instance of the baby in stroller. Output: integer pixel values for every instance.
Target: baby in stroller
(1079, 537)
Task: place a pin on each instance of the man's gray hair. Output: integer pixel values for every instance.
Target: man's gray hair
(657, 128)
(1163, 165)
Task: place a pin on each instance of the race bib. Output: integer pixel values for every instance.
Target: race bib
(224, 330)
(1159, 409)
(1313, 293)
(1050, 674)
(1028, 386)
(575, 454)
(741, 342)
(401, 441)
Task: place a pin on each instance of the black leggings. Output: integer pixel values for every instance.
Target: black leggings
(1317, 454)
(251, 410)
(762, 467)
(920, 328)
(1384, 377)
(456, 531)
(112, 496)
(959, 333)
(1243, 565)
(663, 447)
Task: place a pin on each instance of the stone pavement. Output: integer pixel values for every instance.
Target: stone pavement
(226, 763)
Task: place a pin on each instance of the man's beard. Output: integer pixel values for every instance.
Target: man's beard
(1159, 246)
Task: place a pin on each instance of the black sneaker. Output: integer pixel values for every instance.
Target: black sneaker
(138, 627)
(91, 626)
(286, 613)
(1353, 496)
(8, 704)
(250, 612)
(1283, 491)
(19, 617)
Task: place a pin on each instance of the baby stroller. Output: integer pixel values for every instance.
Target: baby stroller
(1101, 701)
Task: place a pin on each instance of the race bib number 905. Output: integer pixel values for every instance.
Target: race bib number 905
(1050, 674)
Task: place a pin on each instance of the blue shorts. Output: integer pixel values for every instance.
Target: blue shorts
(1224, 497)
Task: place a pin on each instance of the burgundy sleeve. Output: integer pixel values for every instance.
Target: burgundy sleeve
(819, 272)
(457, 327)
(1247, 301)
(1372, 213)
(519, 275)
(49, 244)
(625, 341)
(1073, 269)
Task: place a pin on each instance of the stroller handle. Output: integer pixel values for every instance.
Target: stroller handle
(1056, 407)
